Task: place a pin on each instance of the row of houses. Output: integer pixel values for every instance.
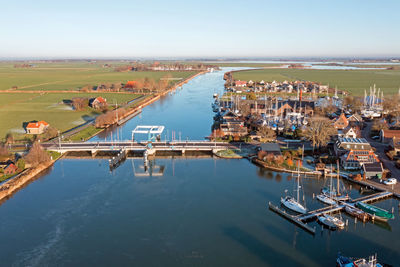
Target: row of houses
(288, 87)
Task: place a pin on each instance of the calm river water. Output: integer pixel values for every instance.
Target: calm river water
(200, 212)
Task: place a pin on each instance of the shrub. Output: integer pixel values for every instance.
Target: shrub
(21, 164)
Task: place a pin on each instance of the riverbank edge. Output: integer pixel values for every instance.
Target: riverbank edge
(16, 183)
(264, 165)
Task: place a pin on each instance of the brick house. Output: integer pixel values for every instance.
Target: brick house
(341, 122)
(98, 102)
(10, 169)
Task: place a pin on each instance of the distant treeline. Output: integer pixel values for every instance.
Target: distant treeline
(156, 66)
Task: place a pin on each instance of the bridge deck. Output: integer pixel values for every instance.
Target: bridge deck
(138, 146)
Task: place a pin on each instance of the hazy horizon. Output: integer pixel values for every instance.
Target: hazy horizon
(187, 29)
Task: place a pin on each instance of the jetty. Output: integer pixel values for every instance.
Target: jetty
(302, 219)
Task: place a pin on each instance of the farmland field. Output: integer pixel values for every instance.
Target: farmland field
(17, 108)
(71, 76)
(353, 81)
(44, 78)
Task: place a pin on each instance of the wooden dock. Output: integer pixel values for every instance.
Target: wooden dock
(291, 218)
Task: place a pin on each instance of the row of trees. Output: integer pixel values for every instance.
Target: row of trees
(109, 117)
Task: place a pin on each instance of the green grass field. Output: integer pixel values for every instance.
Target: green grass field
(71, 76)
(353, 81)
(17, 108)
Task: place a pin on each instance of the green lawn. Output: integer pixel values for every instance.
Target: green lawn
(354, 81)
(71, 76)
(17, 108)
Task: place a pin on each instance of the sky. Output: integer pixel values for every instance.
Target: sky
(199, 29)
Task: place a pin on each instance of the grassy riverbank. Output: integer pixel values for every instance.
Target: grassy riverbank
(353, 81)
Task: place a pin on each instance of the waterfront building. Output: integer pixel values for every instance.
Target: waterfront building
(355, 159)
(372, 170)
(343, 145)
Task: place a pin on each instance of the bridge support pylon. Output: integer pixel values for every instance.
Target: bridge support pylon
(94, 152)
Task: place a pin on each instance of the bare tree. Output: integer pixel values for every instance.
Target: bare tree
(37, 155)
(80, 103)
(266, 132)
(319, 131)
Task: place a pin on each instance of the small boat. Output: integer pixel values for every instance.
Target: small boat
(325, 199)
(330, 221)
(357, 213)
(343, 261)
(375, 212)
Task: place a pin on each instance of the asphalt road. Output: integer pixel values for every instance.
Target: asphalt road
(380, 151)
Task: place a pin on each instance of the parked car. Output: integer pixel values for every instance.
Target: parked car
(376, 137)
(390, 181)
(397, 164)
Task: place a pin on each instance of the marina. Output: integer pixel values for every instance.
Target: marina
(312, 215)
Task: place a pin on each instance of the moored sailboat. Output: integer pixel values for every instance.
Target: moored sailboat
(325, 199)
(292, 203)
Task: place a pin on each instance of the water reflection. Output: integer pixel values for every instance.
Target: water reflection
(147, 168)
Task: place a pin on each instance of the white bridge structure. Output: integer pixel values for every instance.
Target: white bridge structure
(138, 147)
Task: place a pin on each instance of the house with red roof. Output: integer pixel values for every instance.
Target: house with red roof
(36, 127)
(10, 169)
(131, 84)
(341, 122)
(98, 102)
(240, 83)
(387, 135)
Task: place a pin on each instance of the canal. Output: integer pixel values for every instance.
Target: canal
(199, 211)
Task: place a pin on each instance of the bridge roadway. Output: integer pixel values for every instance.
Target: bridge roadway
(138, 146)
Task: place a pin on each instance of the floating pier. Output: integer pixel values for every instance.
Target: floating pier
(115, 161)
(291, 218)
(311, 215)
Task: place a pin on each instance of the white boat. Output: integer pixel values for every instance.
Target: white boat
(292, 203)
(343, 261)
(325, 199)
(331, 221)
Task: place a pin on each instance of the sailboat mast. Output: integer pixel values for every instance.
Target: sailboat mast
(337, 164)
(298, 179)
